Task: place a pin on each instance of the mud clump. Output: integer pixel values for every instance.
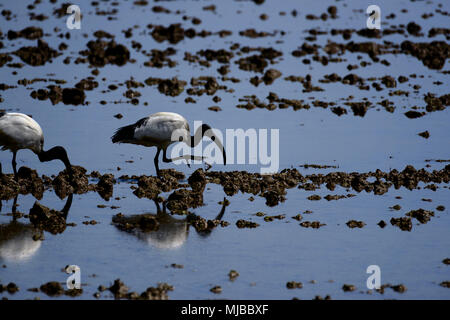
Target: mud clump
(102, 52)
(423, 216)
(52, 289)
(87, 84)
(233, 274)
(400, 288)
(246, 224)
(359, 108)
(30, 33)
(105, 186)
(37, 56)
(312, 224)
(174, 33)
(171, 87)
(413, 29)
(160, 58)
(389, 82)
(4, 58)
(28, 181)
(294, 285)
(436, 103)
(11, 288)
(433, 55)
(348, 287)
(120, 291)
(150, 187)
(272, 187)
(221, 55)
(414, 114)
(197, 180)
(202, 225)
(73, 96)
(182, 199)
(79, 184)
(355, 224)
(424, 134)
(157, 293)
(271, 75)
(47, 219)
(204, 84)
(56, 94)
(404, 223)
(144, 222)
(216, 289)
(254, 63)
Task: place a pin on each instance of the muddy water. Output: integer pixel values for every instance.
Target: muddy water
(276, 252)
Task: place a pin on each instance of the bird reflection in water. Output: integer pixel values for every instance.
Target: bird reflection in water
(162, 230)
(20, 241)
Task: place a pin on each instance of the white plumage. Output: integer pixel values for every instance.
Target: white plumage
(158, 128)
(19, 131)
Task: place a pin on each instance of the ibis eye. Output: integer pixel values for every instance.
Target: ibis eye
(180, 139)
(213, 138)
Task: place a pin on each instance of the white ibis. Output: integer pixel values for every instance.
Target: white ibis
(157, 129)
(19, 131)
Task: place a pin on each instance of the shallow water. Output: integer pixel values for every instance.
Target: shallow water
(276, 252)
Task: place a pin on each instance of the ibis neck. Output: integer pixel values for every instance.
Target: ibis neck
(199, 133)
(55, 153)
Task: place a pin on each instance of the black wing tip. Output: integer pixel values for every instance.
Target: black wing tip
(2, 113)
(118, 136)
(127, 133)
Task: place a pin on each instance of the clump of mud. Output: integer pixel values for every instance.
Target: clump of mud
(78, 184)
(246, 224)
(37, 56)
(197, 180)
(169, 87)
(28, 181)
(355, 224)
(182, 199)
(202, 225)
(103, 52)
(30, 33)
(433, 55)
(47, 219)
(105, 186)
(404, 223)
(56, 94)
(120, 291)
(272, 187)
(144, 222)
(150, 186)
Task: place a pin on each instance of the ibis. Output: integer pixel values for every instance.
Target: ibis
(157, 131)
(19, 131)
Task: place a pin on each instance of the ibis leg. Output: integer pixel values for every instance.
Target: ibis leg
(14, 164)
(186, 157)
(156, 161)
